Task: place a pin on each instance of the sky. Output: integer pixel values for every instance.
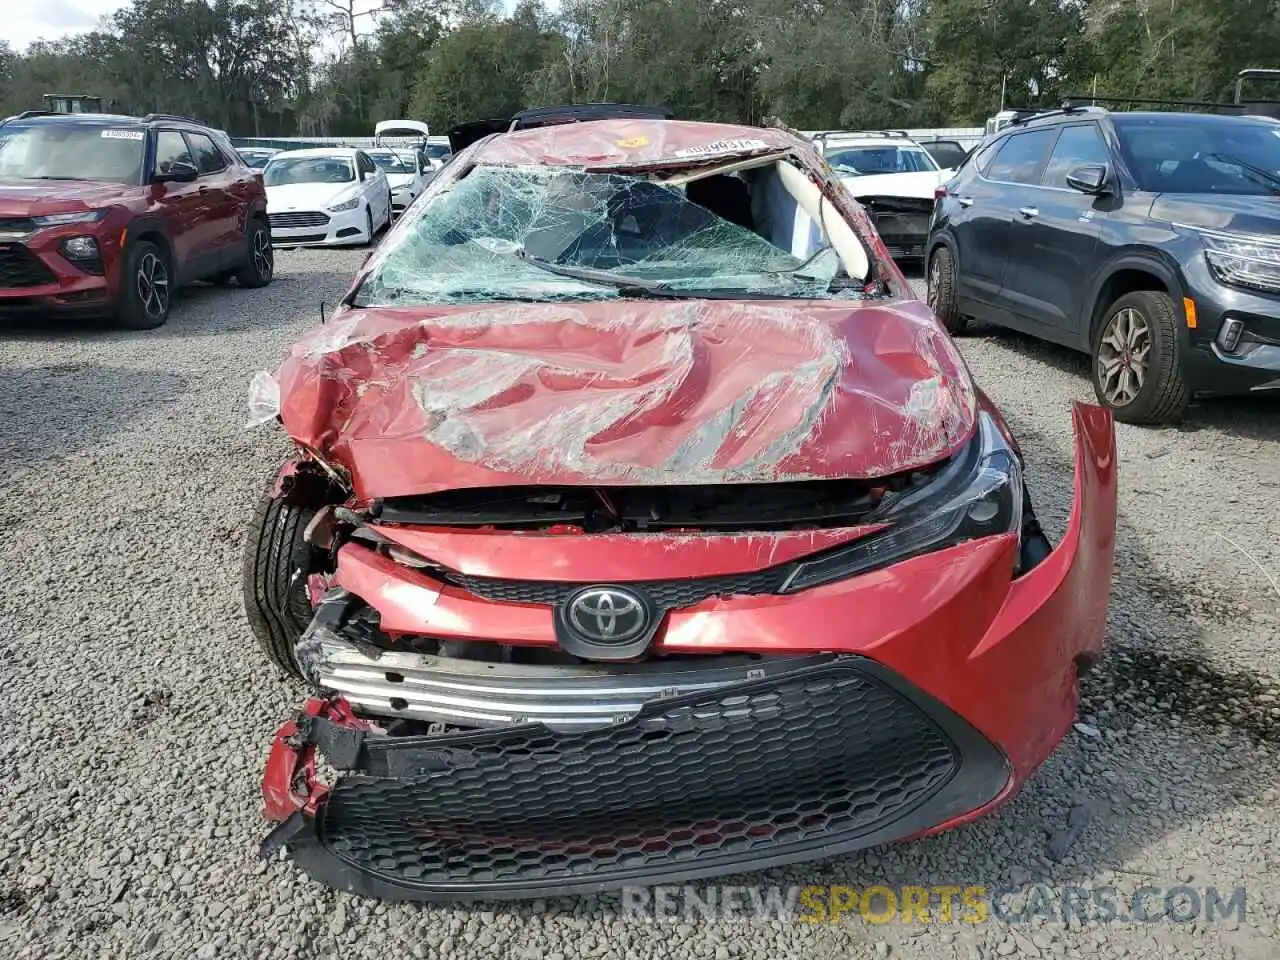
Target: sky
(28, 20)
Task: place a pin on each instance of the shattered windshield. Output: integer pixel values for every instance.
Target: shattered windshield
(534, 233)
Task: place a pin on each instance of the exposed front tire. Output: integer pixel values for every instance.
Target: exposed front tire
(277, 561)
(1135, 365)
(147, 287)
(260, 264)
(942, 291)
(368, 219)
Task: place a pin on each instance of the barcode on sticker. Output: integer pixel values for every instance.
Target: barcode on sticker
(123, 135)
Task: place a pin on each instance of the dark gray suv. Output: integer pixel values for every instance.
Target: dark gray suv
(1149, 240)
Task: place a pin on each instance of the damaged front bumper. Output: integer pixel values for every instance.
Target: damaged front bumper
(896, 703)
(826, 757)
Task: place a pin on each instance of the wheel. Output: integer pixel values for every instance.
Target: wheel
(276, 563)
(942, 291)
(368, 218)
(260, 260)
(147, 287)
(1136, 370)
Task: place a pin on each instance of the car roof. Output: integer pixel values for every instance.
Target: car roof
(631, 143)
(39, 116)
(345, 152)
(1083, 113)
(845, 143)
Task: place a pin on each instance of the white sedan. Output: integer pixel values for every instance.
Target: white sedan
(404, 172)
(326, 197)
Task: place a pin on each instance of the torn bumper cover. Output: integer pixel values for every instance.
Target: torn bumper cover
(892, 704)
(818, 760)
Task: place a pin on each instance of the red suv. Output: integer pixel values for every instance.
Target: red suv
(109, 215)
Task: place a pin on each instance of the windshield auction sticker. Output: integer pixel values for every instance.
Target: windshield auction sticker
(123, 135)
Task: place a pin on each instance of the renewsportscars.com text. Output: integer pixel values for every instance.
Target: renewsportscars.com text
(971, 903)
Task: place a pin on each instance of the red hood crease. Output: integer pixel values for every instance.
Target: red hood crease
(415, 401)
(33, 198)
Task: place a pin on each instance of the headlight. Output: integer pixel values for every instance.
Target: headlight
(80, 248)
(978, 494)
(58, 219)
(1243, 261)
(346, 205)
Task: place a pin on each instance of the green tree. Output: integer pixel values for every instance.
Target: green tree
(483, 68)
(1034, 52)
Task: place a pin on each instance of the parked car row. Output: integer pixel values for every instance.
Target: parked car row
(1148, 240)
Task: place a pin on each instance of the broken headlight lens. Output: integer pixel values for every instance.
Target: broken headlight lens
(1243, 261)
(978, 494)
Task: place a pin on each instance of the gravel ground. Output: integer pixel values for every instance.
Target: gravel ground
(136, 711)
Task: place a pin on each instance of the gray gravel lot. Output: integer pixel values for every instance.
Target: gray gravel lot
(136, 711)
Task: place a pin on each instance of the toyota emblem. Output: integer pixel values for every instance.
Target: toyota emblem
(608, 615)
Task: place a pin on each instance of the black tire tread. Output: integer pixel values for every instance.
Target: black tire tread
(948, 310)
(247, 274)
(1171, 396)
(275, 604)
(129, 313)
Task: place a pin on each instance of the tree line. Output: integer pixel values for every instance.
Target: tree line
(327, 67)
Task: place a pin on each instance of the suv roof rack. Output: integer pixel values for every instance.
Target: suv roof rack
(1069, 106)
(853, 134)
(151, 117)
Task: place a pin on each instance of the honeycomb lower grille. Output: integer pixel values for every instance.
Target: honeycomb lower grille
(19, 267)
(822, 759)
(665, 594)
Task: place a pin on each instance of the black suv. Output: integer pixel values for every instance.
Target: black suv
(1149, 240)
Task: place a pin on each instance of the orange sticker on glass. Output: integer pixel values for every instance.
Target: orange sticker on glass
(631, 142)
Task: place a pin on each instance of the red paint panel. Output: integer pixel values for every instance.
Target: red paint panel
(631, 143)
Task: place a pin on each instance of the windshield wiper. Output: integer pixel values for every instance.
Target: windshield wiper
(1267, 176)
(592, 275)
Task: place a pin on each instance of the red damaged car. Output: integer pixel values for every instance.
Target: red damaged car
(644, 526)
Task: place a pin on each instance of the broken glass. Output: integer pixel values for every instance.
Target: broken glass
(494, 232)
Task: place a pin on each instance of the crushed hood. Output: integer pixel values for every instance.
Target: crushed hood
(414, 401)
(920, 185)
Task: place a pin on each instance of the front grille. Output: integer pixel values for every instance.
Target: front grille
(295, 221)
(19, 267)
(666, 594)
(21, 225)
(801, 766)
(403, 685)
